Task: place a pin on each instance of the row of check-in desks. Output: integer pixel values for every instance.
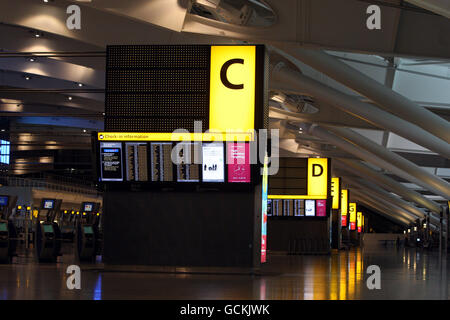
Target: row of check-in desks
(82, 229)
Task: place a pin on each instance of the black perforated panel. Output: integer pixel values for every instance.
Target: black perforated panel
(155, 88)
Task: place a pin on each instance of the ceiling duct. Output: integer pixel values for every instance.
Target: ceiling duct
(251, 13)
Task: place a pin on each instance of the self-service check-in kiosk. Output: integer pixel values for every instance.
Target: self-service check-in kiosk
(48, 234)
(8, 234)
(88, 240)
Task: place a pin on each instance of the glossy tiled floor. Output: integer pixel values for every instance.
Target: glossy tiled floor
(405, 274)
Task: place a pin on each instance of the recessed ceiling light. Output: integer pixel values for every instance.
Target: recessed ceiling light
(45, 1)
(80, 84)
(27, 78)
(84, 130)
(70, 98)
(32, 60)
(37, 35)
(3, 130)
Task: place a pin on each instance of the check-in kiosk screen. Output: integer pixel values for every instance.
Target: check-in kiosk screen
(88, 207)
(3, 201)
(48, 204)
(88, 230)
(48, 228)
(3, 227)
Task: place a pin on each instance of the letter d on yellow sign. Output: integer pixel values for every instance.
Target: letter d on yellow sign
(317, 177)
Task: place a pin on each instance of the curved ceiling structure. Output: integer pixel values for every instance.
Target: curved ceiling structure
(337, 88)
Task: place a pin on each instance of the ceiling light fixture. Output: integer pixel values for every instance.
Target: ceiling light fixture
(27, 78)
(32, 60)
(80, 84)
(70, 98)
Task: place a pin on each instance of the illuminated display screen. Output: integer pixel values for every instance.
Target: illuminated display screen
(48, 228)
(3, 201)
(282, 206)
(88, 207)
(48, 204)
(213, 168)
(5, 151)
(310, 208)
(321, 208)
(299, 207)
(111, 161)
(136, 161)
(3, 227)
(238, 161)
(187, 169)
(88, 229)
(159, 162)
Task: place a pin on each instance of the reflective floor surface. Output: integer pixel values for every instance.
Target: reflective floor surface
(405, 274)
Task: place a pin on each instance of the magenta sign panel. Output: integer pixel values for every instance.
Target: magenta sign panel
(321, 208)
(238, 160)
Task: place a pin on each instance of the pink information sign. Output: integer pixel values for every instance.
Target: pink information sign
(321, 208)
(238, 160)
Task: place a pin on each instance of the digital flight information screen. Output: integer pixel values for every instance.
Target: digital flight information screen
(160, 162)
(3, 201)
(48, 204)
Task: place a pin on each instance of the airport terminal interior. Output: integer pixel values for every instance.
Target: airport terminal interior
(224, 149)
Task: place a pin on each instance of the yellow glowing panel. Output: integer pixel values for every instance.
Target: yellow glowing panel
(169, 136)
(335, 192)
(359, 219)
(232, 88)
(344, 202)
(318, 177)
(352, 210)
(295, 197)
